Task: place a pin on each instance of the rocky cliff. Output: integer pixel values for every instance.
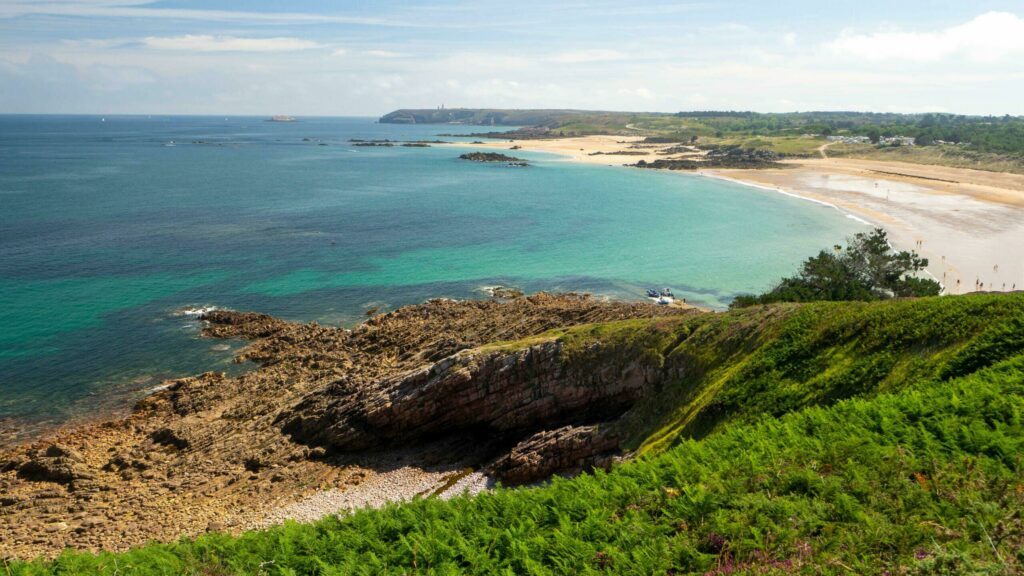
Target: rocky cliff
(479, 384)
(502, 395)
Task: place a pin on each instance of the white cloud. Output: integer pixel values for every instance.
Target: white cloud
(96, 43)
(727, 28)
(581, 56)
(659, 64)
(639, 92)
(384, 54)
(141, 9)
(697, 99)
(989, 37)
(207, 43)
(479, 60)
(389, 82)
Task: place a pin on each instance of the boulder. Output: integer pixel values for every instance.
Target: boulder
(566, 449)
(56, 463)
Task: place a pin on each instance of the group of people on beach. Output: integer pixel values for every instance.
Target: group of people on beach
(980, 285)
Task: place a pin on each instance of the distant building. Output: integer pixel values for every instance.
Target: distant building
(897, 141)
(884, 141)
(849, 139)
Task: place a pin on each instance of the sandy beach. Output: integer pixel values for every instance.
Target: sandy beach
(968, 223)
(598, 149)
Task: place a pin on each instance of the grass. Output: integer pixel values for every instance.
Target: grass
(833, 438)
(944, 155)
(794, 146)
(720, 368)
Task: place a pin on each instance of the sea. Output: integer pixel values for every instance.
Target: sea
(117, 231)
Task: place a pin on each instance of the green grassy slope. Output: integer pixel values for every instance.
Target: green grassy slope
(837, 438)
(773, 360)
(952, 155)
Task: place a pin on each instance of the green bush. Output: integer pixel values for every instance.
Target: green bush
(868, 269)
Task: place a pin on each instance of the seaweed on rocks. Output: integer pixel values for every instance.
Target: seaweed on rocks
(723, 157)
(493, 157)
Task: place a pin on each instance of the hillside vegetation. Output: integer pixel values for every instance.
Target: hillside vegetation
(980, 142)
(952, 155)
(494, 117)
(835, 438)
(868, 268)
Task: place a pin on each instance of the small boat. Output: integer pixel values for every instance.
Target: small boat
(665, 301)
(651, 293)
(170, 143)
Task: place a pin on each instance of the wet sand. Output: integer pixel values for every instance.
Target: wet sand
(971, 233)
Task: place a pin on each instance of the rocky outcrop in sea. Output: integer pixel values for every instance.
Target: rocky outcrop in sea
(493, 157)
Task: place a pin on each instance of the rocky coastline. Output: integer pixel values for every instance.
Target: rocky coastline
(427, 399)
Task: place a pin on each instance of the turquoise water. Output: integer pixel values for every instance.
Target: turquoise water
(107, 235)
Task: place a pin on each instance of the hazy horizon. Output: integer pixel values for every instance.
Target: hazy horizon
(181, 57)
(377, 116)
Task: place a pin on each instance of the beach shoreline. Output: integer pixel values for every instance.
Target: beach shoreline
(968, 223)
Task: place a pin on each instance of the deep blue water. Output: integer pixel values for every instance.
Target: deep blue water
(107, 234)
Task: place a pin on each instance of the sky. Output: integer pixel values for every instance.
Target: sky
(365, 58)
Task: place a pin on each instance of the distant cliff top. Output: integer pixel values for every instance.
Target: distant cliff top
(483, 116)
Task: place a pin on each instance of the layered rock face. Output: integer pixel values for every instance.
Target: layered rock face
(494, 395)
(551, 451)
(503, 394)
(214, 452)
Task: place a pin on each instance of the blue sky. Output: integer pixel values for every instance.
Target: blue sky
(366, 58)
